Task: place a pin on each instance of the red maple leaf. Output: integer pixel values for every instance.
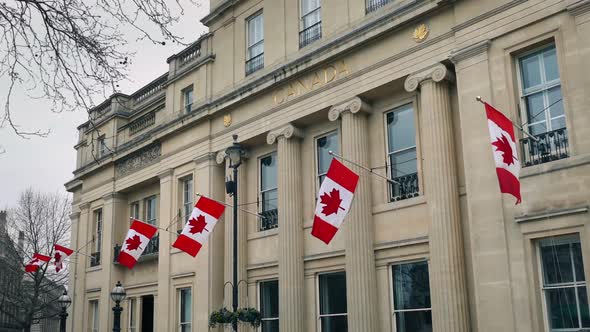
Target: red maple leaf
(57, 256)
(133, 242)
(503, 145)
(331, 201)
(197, 225)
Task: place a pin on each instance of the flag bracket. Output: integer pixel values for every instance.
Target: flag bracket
(478, 98)
(363, 167)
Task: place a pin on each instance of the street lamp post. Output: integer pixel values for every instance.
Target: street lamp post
(234, 153)
(117, 294)
(64, 301)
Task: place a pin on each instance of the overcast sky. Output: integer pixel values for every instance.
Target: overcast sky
(47, 163)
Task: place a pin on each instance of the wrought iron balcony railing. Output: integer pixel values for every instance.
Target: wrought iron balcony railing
(552, 145)
(270, 220)
(95, 259)
(373, 5)
(310, 34)
(151, 250)
(407, 188)
(254, 64)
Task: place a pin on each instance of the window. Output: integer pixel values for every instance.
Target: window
(97, 237)
(268, 192)
(543, 107)
(311, 24)
(185, 304)
(187, 99)
(373, 5)
(411, 297)
(102, 147)
(94, 316)
(187, 197)
(132, 318)
(401, 153)
(564, 283)
(134, 210)
(255, 37)
(332, 297)
(150, 210)
(269, 305)
(325, 144)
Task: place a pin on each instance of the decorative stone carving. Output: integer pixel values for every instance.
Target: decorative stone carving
(138, 160)
(220, 158)
(286, 131)
(437, 73)
(354, 105)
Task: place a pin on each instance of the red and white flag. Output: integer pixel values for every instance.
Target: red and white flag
(37, 261)
(59, 255)
(200, 224)
(335, 197)
(504, 149)
(138, 237)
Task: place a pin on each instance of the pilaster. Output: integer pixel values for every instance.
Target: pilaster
(361, 280)
(164, 322)
(450, 312)
(290, 206)
(75, 267)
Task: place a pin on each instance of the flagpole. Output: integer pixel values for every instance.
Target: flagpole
(363, 167)
(231, 206)
(478, 98)
(160, 228)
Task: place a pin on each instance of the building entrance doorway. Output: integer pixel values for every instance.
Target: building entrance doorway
(147, 313)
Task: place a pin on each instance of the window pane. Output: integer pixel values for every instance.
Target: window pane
(404, 163)
(535, 113)
(268, 170)
(269, 299)
(332, 293)
(411, 286)
(578, 262)
(270, 200)
(185, 305)
(531, 70)
(334, 324)
(270, 325)
(325, 145)
(558, 123)
(132, 313)
(185, 328)
(561, 308)
(554, 95)
(413, 321)
(255, 30)
(551, 67)
(557, 265)
(401, 132)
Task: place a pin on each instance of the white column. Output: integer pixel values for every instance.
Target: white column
(450, 312)
(164, 322)
(78, 271)
(361, 281)
(290, 206)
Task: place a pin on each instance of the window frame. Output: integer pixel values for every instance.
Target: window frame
(132, 306)
(575, 285)
(101, 148)
(180, 322)
(544, 87)
(146, 209)
(317, 174)
(94, 322)
(135, 210)
(248, 45)
(259, 283)
(318, 300)
(97, 229)
(261, 192)
(187, 107)
(187, 206)
(392, 313)
(302, 15)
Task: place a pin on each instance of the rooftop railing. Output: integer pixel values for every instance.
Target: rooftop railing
(373, 5)
(141, 123)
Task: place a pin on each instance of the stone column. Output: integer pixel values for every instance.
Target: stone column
(229, 234)
(290, 206)
(164, 322)
(447, 268)
(361, 281)
(78, 272)
(73, 267)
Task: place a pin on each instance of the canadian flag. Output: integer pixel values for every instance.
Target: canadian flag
(504, 149)
(200, 224)
(37, 261)
(335, 197)
(59, 255)
(138, 237)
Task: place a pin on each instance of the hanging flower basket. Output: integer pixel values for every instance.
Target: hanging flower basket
(223, 316)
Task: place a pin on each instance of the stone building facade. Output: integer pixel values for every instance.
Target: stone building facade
(390, 85)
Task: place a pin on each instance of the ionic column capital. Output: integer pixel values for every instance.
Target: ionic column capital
(286, 131)
(436, 73)
(353, 106)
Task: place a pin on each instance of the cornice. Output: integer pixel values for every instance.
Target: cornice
(353, 106)
(438, 73)
(578, 7)
(72, 185)
(287, 131)
(205, 157)
(470, 51)
(113, 196)
(487, 15)
(75, 215)
(166, 173)
(84, 206)
(189, 69)
(218, 11)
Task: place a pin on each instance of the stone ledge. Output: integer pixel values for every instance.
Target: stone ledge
(548, 214)
(391, 206)
(555, 166)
